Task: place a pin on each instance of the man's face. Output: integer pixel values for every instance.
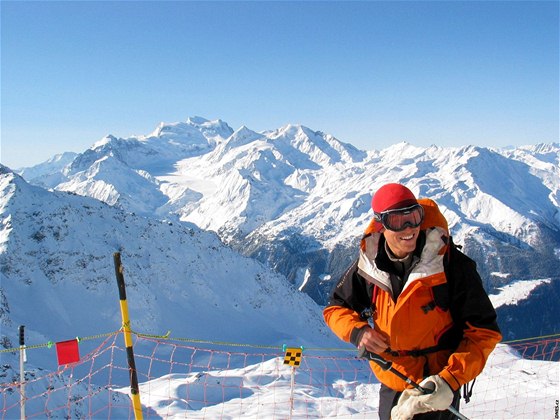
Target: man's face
(402, 243)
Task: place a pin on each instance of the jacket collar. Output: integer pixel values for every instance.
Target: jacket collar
(374, 264)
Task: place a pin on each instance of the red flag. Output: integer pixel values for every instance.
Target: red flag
(67, 352)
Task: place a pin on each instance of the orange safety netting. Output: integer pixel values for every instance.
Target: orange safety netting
(177, 380)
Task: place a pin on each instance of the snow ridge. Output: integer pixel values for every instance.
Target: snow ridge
(298, 199)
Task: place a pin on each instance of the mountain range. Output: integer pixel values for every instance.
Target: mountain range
(294, 199)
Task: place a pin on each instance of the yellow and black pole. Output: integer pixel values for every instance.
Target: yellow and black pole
(22, 360)
(134, 390)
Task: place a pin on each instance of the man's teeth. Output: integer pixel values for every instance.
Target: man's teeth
(407, 238)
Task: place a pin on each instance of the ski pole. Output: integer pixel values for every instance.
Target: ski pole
(388, 365)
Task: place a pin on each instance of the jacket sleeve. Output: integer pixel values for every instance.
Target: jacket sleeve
(472, 309)
(349, 298)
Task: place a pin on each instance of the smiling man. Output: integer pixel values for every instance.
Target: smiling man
(415, 299)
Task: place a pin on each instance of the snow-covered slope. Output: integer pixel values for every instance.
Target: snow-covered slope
(298, 199)
(58, 278)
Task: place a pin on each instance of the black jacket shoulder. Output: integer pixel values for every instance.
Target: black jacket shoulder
(469, 302)
(352, 291)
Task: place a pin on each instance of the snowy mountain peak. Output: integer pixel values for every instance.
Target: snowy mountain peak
(274, 192)
(242, 136)
(543, 148)
(402, 149)
(322, 149)
(104, 141)
(4, 170)
(183, 132)
(12, 179)
(196, 120)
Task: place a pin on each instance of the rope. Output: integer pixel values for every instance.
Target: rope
(262, 346)
(556, 335)
(49, 344)
(197, 341)
(166, 336)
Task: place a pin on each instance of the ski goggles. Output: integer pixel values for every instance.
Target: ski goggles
(399, 219)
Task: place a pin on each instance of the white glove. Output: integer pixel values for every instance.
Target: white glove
(413, 401)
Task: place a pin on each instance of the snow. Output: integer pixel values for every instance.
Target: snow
(516, 291)
(259, 391)
(271, 192)
(509, 387)
(309, 178)
(62, 244)
(169, 201)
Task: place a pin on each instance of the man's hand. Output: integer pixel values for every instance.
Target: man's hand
(373, 341)
(413, 401)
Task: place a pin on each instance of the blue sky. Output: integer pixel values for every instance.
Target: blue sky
(372, 73)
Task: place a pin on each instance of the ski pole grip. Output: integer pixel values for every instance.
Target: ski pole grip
(428, 388)
(362, 351)
(374, 357)
(21, 335)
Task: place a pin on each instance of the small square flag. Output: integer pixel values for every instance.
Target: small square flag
(67, 352)
(293, 356)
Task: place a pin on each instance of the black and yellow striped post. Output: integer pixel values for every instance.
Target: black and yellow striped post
(22, 360)
(135, 392)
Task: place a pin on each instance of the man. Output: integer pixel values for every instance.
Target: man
(431, 316)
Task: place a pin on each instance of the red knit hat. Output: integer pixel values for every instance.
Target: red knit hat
(392, 196)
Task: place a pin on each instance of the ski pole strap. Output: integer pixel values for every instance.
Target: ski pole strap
(467, 392)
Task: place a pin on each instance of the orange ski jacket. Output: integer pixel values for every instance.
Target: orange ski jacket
(441, 323)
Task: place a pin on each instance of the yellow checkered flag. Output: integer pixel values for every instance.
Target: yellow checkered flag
(293, 356)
